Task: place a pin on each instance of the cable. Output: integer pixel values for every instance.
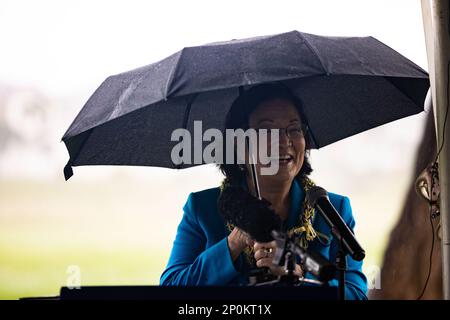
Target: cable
(446, 114)
(431, 251)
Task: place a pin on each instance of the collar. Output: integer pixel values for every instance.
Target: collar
(297, 196)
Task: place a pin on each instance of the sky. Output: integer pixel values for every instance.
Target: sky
(67, 47)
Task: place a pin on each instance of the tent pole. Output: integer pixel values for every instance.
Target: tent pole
(435, 15)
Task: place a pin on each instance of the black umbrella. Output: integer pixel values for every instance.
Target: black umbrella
(347, 85)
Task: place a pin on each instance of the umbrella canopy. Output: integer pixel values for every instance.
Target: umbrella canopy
(346, 84)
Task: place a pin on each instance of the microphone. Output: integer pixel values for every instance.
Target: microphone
(248, 213)
(253, 216)
(317, 197)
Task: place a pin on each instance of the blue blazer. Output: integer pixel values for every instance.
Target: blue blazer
(200, 254)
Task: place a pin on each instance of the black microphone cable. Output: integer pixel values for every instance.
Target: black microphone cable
(431, 254)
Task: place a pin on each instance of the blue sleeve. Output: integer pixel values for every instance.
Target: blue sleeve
(355, 280)
(190, 262)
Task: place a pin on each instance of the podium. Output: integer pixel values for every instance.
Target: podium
(201, 293)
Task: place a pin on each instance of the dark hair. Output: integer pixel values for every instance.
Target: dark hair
(238, 118)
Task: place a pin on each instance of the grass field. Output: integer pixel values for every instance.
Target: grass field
(47, 227)
(31, 271)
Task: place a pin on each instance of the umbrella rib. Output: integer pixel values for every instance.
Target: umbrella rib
(310, 47)
(187, 111)
(172, 75)
(313, 137)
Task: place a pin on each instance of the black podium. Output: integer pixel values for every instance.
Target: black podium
(204, 293)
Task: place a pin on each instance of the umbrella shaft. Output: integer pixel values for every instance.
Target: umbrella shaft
(253, 172)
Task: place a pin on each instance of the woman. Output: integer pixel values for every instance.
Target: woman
(210, 250)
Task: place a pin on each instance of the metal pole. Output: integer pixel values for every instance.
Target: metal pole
(435, 14)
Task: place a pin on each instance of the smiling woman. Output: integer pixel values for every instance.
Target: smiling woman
(209, 248)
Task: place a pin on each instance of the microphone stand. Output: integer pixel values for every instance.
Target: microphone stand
(341, 264)
(289, 278)
(345, 237)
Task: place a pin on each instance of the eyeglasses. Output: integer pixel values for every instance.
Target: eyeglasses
(292, 131)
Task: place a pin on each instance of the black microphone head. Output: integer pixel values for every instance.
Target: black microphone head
(334, 220)
(314, 194)
(248, 213)
(359, 256)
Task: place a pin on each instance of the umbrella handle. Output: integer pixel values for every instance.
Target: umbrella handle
(253, 172)
(255, 181)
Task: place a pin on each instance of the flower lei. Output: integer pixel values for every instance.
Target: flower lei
(303, 230)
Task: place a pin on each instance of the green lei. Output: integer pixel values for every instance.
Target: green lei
(303, 229)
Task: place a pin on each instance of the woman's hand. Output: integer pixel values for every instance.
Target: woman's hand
(264, 253)
(237, 241)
